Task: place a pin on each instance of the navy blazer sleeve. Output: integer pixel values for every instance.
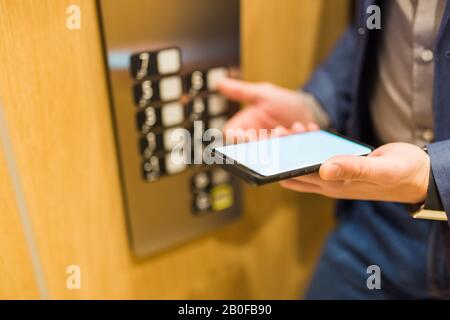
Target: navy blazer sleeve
(332, 83)
(440, 165)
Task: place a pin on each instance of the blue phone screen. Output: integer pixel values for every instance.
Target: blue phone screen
(279, 155)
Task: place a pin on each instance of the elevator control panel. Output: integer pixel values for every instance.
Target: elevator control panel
(163, 74)
(169, 104)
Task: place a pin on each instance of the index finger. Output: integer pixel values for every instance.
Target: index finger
(239, 90)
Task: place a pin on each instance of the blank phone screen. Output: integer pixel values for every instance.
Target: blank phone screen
(280, 155)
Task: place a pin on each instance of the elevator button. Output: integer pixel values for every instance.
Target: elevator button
(140, 65)
(169, 61)
(222, 197)
(176, 138)
(148, 119)
(220, 176)
(170, 88)
(196, 82)
(205, 80)
(196, 108)
(166, 89)
(151, 143)
(217, 104)
(152, 169)
(214, 76)
(202, 202)
(201, 181)
(155, 63)
(217, 123)
(175, 163)
(144, 93)
(172, 114)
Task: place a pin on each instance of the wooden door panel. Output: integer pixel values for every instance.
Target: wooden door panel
(54, 90)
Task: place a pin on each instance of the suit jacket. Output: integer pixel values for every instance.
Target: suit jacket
(343, 83)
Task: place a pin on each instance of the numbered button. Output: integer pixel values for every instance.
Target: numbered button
(201, 203)
(212, 191)
(156, 167)
(196, 82)
(168, 115)
(151, 144)
(165, 89)
(152, 169)
(214, 76)
(219, 176)
(202, 107)
(217, 122)
(196, 108)
(170, 88)
(222, 197)
(201, 182)
(217, 105)
(153, 63)
(175, 162)
(148, 119)
(172, 114)
(178, 137)
(205, 80)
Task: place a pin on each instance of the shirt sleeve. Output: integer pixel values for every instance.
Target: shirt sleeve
(331, 83)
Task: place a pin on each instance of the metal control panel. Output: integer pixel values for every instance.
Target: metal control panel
(164, 59)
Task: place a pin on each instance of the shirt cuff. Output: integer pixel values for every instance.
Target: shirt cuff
(320, 115)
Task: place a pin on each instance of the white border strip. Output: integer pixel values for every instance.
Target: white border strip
(22, 206)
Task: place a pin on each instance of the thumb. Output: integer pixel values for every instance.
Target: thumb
(349, 168)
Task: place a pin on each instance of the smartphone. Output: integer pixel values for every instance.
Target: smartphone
(265, 161)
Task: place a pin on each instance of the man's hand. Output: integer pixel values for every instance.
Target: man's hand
(396, 172)
(268, 107)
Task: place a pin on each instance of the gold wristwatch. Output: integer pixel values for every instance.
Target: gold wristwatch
(431, 209)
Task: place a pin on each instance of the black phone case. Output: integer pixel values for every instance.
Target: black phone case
(256, 179)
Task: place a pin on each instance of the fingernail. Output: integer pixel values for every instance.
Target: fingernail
(313, 127)
(335, 171)
(298, 127)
